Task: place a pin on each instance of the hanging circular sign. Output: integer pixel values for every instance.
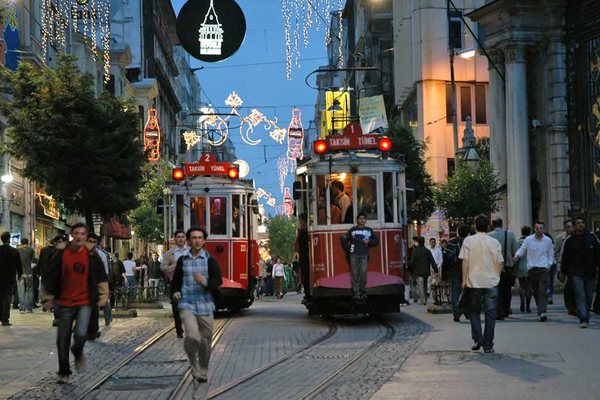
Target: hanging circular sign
(211, 30)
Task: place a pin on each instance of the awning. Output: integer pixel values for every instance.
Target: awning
(116, 230)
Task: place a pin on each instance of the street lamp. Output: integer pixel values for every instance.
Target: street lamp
(468, 152)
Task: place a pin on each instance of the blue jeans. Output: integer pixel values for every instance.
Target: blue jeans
(489, 298)
(358, 268)
(66, 316)
(25, 288)
(584, 289)
(456, 289)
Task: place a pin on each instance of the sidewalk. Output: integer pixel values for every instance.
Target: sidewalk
(533, 360)
(28, 346)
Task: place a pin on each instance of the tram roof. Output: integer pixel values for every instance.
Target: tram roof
(351, 162)
(218, 183)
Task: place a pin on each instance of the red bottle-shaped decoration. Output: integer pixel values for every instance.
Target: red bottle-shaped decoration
(288, 203)
(295, 136)
(152, 136)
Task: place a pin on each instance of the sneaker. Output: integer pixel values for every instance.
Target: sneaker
(80, 363)
(202, 378)
(62, 379)
(456, 318)
(543, 317)
(550, 301)
(6, 323)
(488, 350)
(583, 325)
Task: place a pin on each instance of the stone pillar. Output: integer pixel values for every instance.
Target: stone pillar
(497, 122)
(517, 140)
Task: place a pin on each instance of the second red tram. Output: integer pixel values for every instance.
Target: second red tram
(375, 186)
(227, 209)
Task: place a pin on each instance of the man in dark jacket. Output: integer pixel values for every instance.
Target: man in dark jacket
(420, 263)
(76, 279)
(455, 273)
(195, 284)
(580, 259)
(358, 240)
(10, 267)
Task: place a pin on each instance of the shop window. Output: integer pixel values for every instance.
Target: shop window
(366, 196)
(218, 215)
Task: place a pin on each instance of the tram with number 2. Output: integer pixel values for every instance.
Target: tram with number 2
(209, 194)
(376, 187)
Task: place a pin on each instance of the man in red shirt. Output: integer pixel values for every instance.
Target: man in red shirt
(76, 280)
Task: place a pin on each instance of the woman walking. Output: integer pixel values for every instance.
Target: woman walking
(278, 277)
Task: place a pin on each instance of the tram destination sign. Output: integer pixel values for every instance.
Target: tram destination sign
(207, 165)
(352, 142)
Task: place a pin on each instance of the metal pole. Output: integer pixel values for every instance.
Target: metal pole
(452, 82)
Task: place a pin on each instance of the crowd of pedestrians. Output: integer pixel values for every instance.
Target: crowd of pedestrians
(481, 266)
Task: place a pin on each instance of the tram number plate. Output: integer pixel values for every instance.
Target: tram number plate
(243, 248)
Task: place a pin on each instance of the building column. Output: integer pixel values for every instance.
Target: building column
(497, 123)
(517, 140)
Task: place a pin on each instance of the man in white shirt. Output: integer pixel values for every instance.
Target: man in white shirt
(482, 263)
(436, 252)
(540, 257)
(168, 268)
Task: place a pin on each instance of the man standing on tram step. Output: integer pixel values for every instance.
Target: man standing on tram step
(580, 260)
(76, 280)
(540, 257)
(168, 268)
(358, 240)
(195, 284)
(508, 242)
(482, 264)
(10, 267)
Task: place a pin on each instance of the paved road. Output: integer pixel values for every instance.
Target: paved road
(533, 360)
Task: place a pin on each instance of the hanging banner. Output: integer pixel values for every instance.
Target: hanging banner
(211, 30)
(372, 114)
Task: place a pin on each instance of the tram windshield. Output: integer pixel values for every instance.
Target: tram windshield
(366, 196)
(198, 211)
(236, 228)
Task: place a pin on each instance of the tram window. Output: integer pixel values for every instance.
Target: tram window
(388, 196)
(321, 200)
(198, 211)
(341, 199)
(366, 196)
(218, 215)
(235, 216)
(180, 209)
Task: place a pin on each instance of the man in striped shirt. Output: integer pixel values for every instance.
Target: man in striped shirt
(197, 276)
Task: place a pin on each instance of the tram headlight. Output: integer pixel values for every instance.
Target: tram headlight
(385, 144)
(233, 173)
(320, 146)
(178, 174)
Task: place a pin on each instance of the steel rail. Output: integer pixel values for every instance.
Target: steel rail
(327, 381)
(186, 381)
(136, 352)
(224, 388)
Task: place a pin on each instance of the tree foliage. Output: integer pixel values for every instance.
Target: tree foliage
(147, 223)
(468, 193)
(84, 150)
(404, 143)
(282, 236)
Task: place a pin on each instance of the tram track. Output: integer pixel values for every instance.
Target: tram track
(149, 345)
(306, 357)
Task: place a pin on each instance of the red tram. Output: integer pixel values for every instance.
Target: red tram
(207, 196)
(375, 186)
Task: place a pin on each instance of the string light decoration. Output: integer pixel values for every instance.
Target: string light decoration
(91, 18)
(261, 193)
(220, 125)
(299, 17)
(285, 166)
(152, 136)
(49, 205)
(191, 138)
(295, 136)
